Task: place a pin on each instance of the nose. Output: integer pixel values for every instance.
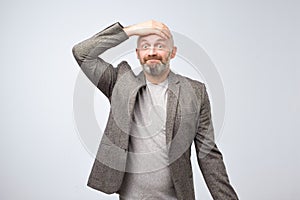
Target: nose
(152, 51)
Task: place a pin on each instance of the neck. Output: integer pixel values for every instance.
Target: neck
(157, 79)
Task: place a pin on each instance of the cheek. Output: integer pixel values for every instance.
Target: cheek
(166, 56)
(140, 56)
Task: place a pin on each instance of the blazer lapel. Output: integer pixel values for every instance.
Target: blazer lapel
(122, 112)
(173, 96)
(140, 82)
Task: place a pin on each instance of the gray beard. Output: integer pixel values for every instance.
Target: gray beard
(156, 69)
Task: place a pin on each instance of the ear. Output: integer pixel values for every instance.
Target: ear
(137, 53)
(173, 53)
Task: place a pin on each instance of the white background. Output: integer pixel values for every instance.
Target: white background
(253, 44)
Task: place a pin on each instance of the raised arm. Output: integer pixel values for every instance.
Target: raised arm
(209, 157)
(102, 74)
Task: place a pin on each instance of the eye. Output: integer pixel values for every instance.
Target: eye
(160, 46)
(145, 46)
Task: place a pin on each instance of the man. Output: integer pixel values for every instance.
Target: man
(154, 118)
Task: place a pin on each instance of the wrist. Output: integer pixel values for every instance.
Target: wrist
(128, 30)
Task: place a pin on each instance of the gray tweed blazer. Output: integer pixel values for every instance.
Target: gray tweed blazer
(188, 120)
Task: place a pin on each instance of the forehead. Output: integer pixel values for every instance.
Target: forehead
(152, 39)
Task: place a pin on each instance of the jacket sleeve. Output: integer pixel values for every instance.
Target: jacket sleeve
(102, 74)
(209, 157)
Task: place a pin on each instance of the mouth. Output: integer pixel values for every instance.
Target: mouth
(151, 61)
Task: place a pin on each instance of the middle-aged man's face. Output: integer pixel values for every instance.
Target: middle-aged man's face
(154, 53)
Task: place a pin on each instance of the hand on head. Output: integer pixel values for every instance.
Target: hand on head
(148, 28)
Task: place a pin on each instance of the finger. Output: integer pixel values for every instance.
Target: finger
(164, 29)
(167, 33)
(159, 29)
(163, 33)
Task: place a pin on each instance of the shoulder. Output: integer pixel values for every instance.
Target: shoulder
(186, 81)
(123, 67)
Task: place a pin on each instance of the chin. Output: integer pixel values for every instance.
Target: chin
(156, 69)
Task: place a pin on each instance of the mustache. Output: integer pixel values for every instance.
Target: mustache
(156, 57)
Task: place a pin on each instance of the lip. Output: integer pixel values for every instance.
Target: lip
(153, 61)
